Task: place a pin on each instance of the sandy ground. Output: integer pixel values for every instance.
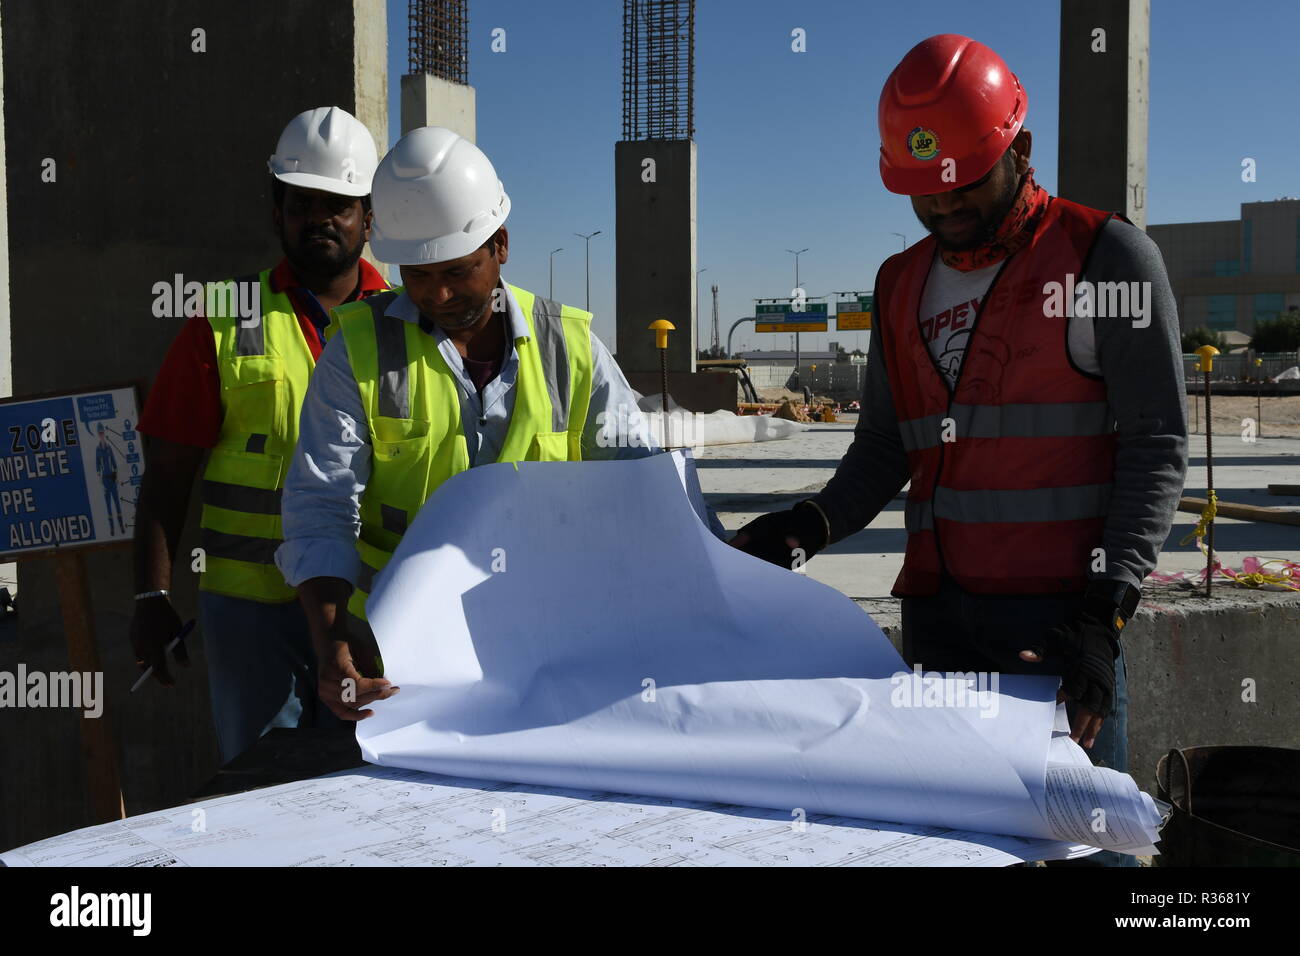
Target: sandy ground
(781, 394)
(1279, 416)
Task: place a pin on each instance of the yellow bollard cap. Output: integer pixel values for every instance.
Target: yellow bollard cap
(1207, 353)
(661, 329)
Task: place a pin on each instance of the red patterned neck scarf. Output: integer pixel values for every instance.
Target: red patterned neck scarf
(1013, 234)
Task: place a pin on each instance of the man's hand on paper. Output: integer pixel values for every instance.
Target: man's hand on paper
(347, 668)
(343, 687)
(775, 537)
(1089, 647)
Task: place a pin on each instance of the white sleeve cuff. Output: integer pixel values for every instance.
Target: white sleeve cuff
(303, 558)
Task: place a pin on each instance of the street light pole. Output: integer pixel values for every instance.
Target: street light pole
(588, 241)
(697, 305)
(796, 255)
(553, 252)
(900, 236)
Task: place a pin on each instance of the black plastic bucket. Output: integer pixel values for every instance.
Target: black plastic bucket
(1232, 806)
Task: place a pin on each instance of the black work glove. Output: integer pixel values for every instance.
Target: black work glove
(773, 537)
(1089, 644)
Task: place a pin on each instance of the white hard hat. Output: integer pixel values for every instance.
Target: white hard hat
(328, 149)
(436, 197)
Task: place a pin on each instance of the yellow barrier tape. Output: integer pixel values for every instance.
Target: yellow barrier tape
(1202, 527)
(1254, 572)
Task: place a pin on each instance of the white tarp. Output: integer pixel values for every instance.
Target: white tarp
(685, 429)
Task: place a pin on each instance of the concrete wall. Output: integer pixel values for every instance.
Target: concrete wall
(1103, 105)
(8, 570)
(6, 369)
(693, 391)
(433, 101)
(161, 168)
(841, 380)
(771, 376)
(1188, 660)
(655, 258)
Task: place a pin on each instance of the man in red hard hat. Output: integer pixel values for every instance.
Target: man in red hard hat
(1026, 379)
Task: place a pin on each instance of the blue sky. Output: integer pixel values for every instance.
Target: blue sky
(787, 143)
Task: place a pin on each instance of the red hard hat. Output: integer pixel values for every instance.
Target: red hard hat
(950, 98)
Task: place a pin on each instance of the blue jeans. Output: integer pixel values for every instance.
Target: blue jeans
(954, 630)
(261, 670)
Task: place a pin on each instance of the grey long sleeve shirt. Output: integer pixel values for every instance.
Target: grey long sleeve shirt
(1143, 374)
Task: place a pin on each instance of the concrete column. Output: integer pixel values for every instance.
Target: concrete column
(8, 570)
(370, 87)
(6, 352)
(142, 192)
(1105, 51)
(433, 101)
(370, 68)
(654, 201)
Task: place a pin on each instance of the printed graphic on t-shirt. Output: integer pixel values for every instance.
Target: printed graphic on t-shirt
(946, 334)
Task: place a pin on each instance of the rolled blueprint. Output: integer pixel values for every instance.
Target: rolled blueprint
(576, 625)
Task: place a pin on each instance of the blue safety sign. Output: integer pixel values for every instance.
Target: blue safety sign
(70, 469)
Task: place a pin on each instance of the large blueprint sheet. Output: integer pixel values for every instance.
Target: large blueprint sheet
(387, 817)
(576, 625)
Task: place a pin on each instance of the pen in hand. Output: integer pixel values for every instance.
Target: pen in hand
(189, 626)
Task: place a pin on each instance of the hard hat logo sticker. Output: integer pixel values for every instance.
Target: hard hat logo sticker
(923, 143)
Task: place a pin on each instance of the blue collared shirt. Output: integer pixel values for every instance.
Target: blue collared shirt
(320, 505)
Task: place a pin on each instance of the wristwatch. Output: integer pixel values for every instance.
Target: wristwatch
(1119, 597)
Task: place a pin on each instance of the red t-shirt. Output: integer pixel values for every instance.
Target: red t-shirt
(184, 404)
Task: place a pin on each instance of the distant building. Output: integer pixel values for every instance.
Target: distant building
(1231, 275)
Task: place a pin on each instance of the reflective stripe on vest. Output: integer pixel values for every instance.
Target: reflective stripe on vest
(1007, 421)
(412, 402)
(1011, 471)
(264, 367)
(1014, 505)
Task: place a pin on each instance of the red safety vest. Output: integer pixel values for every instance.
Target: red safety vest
(1012, 470)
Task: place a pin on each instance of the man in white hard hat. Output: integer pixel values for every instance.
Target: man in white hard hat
(458, 369)
(232, 384)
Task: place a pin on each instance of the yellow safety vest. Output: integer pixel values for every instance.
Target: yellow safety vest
(412, 402)
(264, 370)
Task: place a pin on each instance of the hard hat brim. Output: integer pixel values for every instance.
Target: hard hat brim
(929, 181)
(423, 252)
(324, 183)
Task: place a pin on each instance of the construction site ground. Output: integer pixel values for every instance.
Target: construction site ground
(1278, 416)
(744, 481)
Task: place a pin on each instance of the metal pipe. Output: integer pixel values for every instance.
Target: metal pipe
(748, 318)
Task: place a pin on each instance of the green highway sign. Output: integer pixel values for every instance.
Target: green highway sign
(781, 317)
